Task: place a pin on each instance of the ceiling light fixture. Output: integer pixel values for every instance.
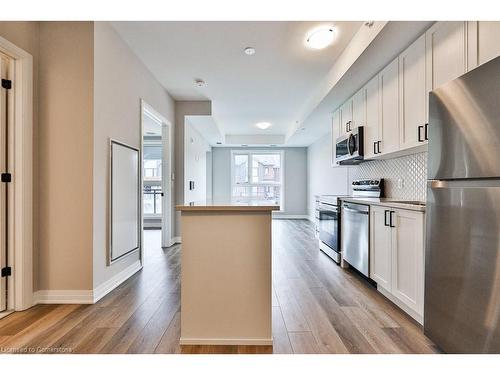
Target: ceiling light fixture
(321, 37)
(249, 51)
(263, 125)
(199, 82)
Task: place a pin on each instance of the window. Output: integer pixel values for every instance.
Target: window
(257, 176)
(152, 192)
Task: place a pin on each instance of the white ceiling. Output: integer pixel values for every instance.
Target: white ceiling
(272, 85)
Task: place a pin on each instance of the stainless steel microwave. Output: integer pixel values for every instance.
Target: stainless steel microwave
(349, 147)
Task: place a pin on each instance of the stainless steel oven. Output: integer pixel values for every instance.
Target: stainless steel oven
(328, 216)
(349, 148)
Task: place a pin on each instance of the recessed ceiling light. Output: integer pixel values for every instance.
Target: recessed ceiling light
(321, 37)
(249, 51)
(199, 82)
(263, 125)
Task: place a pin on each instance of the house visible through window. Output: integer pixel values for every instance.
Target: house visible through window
(257, 176)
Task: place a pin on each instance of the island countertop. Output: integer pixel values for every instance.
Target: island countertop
(227, 205)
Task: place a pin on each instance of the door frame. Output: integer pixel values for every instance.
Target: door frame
(20, 248)
(166, 239)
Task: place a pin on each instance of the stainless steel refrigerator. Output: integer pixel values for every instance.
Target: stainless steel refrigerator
(462, 259)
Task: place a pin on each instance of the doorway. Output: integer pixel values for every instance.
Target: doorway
(5, 278)
(156, 175)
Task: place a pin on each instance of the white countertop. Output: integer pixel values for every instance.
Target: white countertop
(388, 202)
(227, 205)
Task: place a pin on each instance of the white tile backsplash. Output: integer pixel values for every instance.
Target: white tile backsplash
(411, 169)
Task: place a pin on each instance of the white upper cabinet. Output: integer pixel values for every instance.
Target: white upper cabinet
(413, 95)
(359, 109)
(372, 124)
(446, 52)
(483, 42)
(335, 133)
(389, 108)
(346, 117)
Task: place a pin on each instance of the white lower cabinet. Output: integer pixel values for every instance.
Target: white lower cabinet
(397, 257)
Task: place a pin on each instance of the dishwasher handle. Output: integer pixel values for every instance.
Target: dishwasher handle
(347, 208)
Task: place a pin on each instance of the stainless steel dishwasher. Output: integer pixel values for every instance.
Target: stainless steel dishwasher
(355, 235)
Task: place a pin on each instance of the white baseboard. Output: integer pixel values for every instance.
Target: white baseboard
(286, 216)
(64, 296)
(85, 296)
(116, 280)
(203, 341)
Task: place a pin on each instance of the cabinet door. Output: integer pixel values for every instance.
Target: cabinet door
(380, 247)
(408, 258)
(413, 95)
(488, 43)
(389, 107)
(372, 124)
(345, 117)
(335, 133)
(446, 54)
(359, 109)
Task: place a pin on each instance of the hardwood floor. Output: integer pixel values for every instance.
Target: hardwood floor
(317, 308)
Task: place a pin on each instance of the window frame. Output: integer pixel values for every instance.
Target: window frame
(249, 153)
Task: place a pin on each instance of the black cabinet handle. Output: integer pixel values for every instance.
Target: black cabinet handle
(378, 147)
(374, 148)
(385, 218)
(419, 135)
(391, 223)
(426, 133)
(346, 127)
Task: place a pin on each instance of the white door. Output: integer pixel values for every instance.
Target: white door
(371, 127)
(335, 133)
(3, 186)
(413, 95)
(359, 109)
(389, 107)
(380, 247)
(346, 117)
(446, 54)
(408, 258)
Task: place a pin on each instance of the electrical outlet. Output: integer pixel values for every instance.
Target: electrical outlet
(400, 183)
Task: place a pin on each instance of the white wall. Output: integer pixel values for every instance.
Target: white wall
(195, 164)
(295, 192)
(322, 178)
(120, 81)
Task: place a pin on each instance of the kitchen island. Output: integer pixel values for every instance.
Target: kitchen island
(226, 273)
